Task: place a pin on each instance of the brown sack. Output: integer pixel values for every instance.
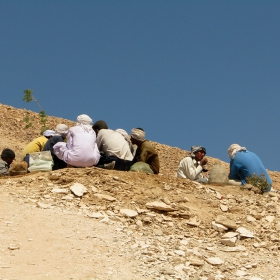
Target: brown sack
(218, 175)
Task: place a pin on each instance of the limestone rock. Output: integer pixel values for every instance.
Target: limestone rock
(226, 222)
(159, 205)
(215, 261)
(129, 213)
(245, 233)
(219, 227)
(105, 197)
(78, 189)
(57, 190)
(43, 205)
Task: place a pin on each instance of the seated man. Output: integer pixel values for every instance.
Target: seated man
(60, 134)
(116, 151)
(191, 167)
(244, 164)
(7, 157)
(37, 145)
(145, 151)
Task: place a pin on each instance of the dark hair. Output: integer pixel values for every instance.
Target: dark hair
(140, 128)
(8, 153)
(99, 125)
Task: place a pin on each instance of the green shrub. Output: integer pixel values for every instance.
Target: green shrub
(258, 181)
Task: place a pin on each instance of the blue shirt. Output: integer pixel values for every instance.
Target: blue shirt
(246, 163)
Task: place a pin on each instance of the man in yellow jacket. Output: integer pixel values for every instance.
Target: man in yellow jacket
(37, 145)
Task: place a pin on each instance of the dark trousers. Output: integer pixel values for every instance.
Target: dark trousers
(120, 164)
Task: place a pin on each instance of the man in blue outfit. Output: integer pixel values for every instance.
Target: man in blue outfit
(244, 164)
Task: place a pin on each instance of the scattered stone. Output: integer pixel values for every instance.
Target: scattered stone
(129, 213)
(229, 241)
(193, 221)
(43, 205)
(215, 261)
(57, 190)
(78, 189)
(224, 207)
(159, 205)
(226, 222)
(105, 197)
(219, 227)
(13, 246)
(245, 233)
(196, 262)
(94, 189)
(96, 215)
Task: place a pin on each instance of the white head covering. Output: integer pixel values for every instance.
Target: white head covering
(124, 134)
(48, 133)
(233, 149)
(138, 134)
(195, 149)
(61, 129)
(85, 122)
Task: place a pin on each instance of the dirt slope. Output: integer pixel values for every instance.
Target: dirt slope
(46, 232)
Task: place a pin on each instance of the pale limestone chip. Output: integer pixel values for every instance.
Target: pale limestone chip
(78, 189)
(159, 205)
(215, 261)
(129, 213)
(105, 197)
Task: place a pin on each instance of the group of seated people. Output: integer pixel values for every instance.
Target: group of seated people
(85, 145)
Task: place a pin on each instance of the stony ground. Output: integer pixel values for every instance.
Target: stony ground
(91, 223)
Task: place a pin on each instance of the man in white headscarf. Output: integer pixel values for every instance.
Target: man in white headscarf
(145, 151)
(60, 134)
(192, 166)
(81, 149)
(244, 164)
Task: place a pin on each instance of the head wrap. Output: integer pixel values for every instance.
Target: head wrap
(8, 153)
(48, 133)
(85, 122)
(138, 134)
(233, 149)
(100, 125)
(124, 134)
(61, 129)
(195, 149)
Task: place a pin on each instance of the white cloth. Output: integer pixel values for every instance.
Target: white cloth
(80, 150)
(233, 149)
(189, 168)
(48, 133)
(138, 134)
(61, 129)
(112, 143)
(85, 122)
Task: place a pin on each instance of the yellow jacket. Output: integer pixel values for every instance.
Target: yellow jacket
(36, 145)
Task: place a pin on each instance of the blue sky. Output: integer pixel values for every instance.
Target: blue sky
(188, 72)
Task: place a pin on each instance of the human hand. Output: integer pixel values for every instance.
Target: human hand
(203, 161)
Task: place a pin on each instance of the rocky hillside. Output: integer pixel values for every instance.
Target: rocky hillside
(164, 227)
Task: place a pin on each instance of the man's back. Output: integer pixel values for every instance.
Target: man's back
(246, 163)
(113, 143)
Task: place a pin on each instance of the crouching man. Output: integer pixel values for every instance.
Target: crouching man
(192, 166)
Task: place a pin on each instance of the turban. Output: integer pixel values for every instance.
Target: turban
(85, 122)
(61, 129)
(138, 134)
(8, 153)
(195, 149)
(48, 133)
(233, 149)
